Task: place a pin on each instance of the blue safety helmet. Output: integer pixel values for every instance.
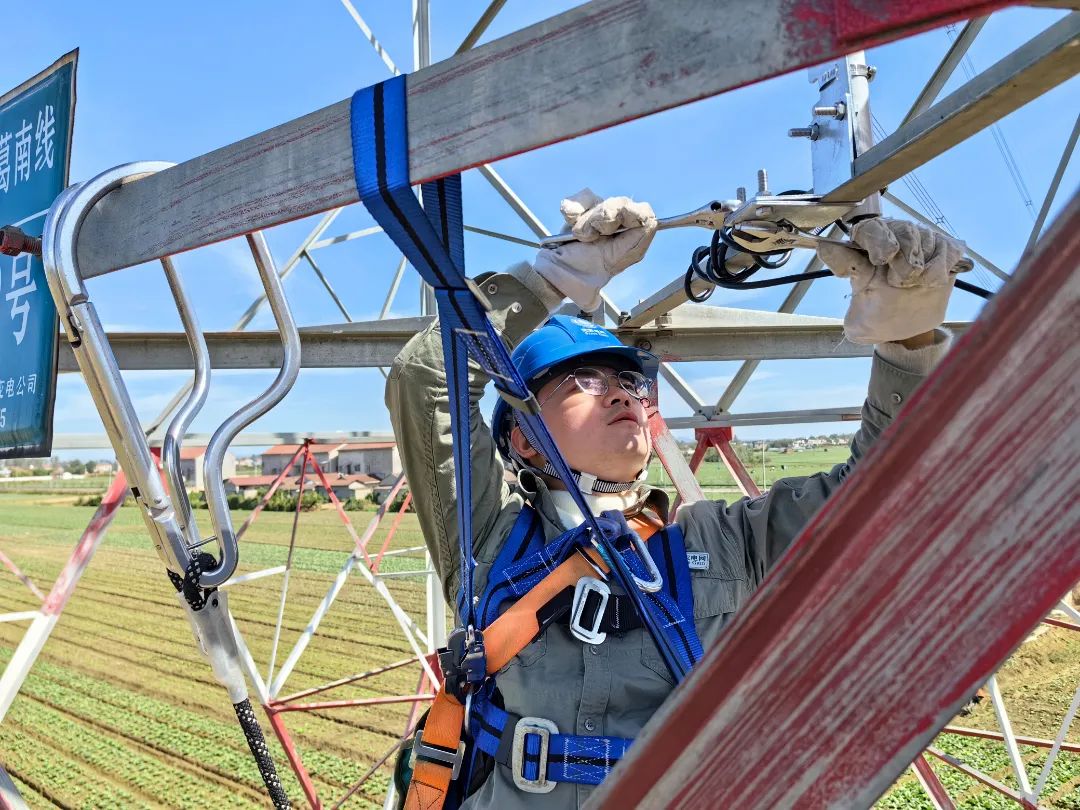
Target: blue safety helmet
(565, 342)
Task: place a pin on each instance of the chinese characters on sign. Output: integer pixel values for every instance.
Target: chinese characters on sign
(18, 295)
(44, 149)
(35, 143)
(12, 387)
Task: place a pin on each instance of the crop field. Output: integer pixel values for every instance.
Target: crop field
(120, 711)
(718, 482)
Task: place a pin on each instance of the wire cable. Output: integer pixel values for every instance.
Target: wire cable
(710, 263)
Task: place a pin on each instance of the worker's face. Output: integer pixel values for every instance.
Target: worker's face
(605, 435)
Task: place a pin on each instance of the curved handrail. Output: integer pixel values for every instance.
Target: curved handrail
(216, 499)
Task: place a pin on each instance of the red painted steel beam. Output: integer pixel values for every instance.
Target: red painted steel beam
(721, 438)
(84, 550)
(670, 454)
(983, 734)
(986, 779)
(939, 796)
(296, 762)
(885, 615)
(349, 704)
(1060, 623)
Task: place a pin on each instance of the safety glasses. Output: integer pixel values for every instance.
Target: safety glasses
(595, 382)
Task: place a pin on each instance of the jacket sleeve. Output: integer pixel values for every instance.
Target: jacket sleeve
(764, 527)
(418, 400)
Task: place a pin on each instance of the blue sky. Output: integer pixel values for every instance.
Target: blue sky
(173, 81)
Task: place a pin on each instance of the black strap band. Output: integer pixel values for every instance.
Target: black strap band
(619, 617)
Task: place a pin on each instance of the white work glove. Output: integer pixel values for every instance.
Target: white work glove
(580, 269)
(900, 285)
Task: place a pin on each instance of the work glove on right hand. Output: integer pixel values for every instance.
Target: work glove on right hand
(580, 269)
(900, 285)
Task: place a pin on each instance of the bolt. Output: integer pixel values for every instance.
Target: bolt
(871, 72)
(644, 345)
(813, 132)
(837, 110)
(13, 242)
(740, 193)
(762, 181)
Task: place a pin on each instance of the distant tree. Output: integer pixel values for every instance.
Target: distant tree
(76, 467)
(745, 452)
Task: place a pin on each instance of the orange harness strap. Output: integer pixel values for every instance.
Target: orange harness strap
(504, 638)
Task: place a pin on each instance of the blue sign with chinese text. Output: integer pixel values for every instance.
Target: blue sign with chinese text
(35, 145)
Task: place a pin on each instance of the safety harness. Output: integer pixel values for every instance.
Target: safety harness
(532, 748)
(533, 576)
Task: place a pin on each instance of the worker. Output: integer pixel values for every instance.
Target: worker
(594, 394)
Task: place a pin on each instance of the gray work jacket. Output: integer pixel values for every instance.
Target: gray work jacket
(612, 688)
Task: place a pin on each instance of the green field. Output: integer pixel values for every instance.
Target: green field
(91, 484)
(714, 475)
(120, 711)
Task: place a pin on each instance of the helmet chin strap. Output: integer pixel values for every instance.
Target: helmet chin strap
(588, 483)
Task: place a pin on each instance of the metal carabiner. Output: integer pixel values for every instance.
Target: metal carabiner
(655, 582)
(651, 585)
(216, 499)
(96, 360)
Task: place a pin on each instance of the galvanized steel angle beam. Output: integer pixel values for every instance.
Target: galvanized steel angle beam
(376, 343)
(458, 118)
(1044, 62)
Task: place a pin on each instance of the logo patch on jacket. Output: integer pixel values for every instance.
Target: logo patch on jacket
(697, 560)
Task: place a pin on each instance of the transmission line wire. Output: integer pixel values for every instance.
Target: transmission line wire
(1000, 140)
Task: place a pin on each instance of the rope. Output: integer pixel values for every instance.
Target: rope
(259, 750)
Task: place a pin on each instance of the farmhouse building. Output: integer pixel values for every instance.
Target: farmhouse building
(377, 459)
(191, 467)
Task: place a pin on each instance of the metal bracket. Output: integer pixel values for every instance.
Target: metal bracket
(436, 753)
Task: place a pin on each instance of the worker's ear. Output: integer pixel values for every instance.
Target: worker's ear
(521, 445)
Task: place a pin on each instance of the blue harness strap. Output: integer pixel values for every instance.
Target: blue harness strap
(431, 238)
(581, 759)
(525, 559)
(432, 241)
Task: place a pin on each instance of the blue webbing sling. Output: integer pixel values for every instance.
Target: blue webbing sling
(431, 237)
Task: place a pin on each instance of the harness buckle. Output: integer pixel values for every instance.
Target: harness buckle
(586, 482)
(463, 661)
(436, 753)
(539, 727)
(590, 634)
